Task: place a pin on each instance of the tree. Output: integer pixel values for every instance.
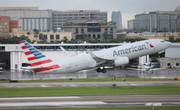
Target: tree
(105, 36)
(41, 35)
(25, 38)
(86, 37)
(178, 29)
(68, 24)
(134, 29)
(65, 40)
(36, 33)
(13, 40)
(111, 23)
(155, 30)
(28, 33)
(164, 33)
(146, 28)
(171, 39)
(73, 41)
(94, 40)
(172, 31)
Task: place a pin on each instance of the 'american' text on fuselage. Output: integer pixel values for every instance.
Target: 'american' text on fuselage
(129, 50)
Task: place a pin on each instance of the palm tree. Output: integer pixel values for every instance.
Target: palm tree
(36, 33)
(178, 30)
(146, 28)
(172, 31)
(28, 33)
(155, 29)
(146, 31)
(134, 29)
(86, 37)
(105, 35)
(165, 33)
(41, 35)
(65, 39)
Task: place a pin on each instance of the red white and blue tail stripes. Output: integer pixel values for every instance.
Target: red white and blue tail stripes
(37, 59)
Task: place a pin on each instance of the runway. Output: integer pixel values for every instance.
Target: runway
(76, 84)
(118, 73)
(90, 101)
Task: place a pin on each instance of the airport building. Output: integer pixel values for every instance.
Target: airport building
(61, 17)
(92, 29)
(7, 25)
(29, 18)
(172, 57)
(164, 21)
(130, 24)
(47, 36)
(117, 17)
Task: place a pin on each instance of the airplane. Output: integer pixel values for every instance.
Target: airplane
(1, 70)
(115, 56)
(145, 67)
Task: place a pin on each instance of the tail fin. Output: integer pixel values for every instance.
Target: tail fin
(38, 62)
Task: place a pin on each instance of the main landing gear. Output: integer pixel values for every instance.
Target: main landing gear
(103, 70)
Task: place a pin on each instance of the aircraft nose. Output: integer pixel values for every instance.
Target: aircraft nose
(168, 44)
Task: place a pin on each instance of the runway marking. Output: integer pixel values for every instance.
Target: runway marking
(43, 86)
(74, 85)
(29, 98)
(153, 104)
(51, 103)
(134, 84)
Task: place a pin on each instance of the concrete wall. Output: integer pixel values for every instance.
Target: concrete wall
(169, 62)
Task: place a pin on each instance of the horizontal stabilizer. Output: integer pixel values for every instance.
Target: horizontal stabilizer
(31, 68)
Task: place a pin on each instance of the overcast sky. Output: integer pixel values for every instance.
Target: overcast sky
(128, 8)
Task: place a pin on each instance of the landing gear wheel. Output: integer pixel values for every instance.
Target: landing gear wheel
(103, 70)
(98, 70)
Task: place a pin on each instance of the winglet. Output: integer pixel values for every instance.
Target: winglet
(92, 55)
(65, 52)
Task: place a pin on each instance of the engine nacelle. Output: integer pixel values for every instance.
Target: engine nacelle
(121, 61)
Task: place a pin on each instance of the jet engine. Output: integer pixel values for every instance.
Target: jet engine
(121, 61)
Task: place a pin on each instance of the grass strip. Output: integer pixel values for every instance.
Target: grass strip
(88, 91)
(93, 80)
(113, 108)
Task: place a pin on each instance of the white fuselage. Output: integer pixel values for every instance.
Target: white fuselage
(130, 50)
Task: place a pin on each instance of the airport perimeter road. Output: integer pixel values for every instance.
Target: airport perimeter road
(95, 101)
(64, 84)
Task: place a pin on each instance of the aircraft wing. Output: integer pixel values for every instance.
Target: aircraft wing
(134, 69)
(96, 58)
(157, 69)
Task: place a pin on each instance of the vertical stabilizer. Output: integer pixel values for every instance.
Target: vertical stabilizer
(38, 61)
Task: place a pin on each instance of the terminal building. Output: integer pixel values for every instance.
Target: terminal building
(29, 18)
(61, 17)
(14, 58)
(83, 29)
(157, 21)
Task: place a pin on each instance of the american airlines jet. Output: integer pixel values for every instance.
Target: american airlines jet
(116, 56)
